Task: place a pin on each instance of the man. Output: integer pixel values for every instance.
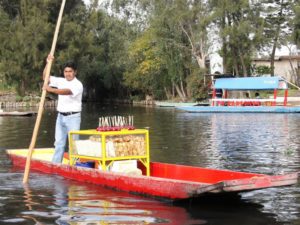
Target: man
(69, 90)
(257, 96)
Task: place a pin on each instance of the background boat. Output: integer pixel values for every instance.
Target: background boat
(17, 113)
(174, 104)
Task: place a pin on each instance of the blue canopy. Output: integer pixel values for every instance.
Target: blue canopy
(250, 83)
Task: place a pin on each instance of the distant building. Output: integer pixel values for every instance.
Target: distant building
(216, 63)
(285, 66)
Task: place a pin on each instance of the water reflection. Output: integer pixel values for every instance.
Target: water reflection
(279, 201)
(250, 142)
(259, 143)
(88, 205)
(52, 200)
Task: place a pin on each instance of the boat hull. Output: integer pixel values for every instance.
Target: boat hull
(167, 181)
(17, 113)
(239, 109)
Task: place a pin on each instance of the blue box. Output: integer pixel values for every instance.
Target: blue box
(86, 164)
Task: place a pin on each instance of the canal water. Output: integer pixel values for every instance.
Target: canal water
(262, 143)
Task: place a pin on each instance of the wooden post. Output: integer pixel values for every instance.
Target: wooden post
(213, 96)
(42, 101)
(275, 96)
(226, 94)
(285, 97)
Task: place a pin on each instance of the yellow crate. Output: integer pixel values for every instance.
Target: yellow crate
(110, 146)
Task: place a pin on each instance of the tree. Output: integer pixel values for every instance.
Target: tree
(28, 40)
(145, 64)
(239, 27)
(296, 37)
(87, 36)
(296, 25)
(191, 23)
(177, 35)
(22, 48)
(4, 23)
(193, 18)
(110, 47)
(277, 25)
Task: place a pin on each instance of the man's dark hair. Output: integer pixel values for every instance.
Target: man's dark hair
(70, 64)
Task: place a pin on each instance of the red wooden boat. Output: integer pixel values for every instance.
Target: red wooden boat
(168, 181)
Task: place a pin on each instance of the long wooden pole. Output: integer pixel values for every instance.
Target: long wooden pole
(291, 83)
(42, 101)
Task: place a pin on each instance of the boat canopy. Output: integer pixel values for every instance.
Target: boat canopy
(251, 83)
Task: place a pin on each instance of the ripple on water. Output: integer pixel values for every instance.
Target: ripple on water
(53, 200)
(14, 220)
(262, 143)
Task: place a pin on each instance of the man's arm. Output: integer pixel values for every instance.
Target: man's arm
(51, 89)
(57, 91)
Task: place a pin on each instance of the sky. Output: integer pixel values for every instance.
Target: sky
(86, 2)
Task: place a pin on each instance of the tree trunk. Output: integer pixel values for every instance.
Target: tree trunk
(272, 57)
(293, 69)
(23, 12)
(21, 88)
(225, 44)
(224, 50)
(168, 94)
(272, 60)
(200, 61)
(235, 67)
(244, 68)
(199, 54)
(173, 90)
(298, 77)
(182, 88)
(181, 95)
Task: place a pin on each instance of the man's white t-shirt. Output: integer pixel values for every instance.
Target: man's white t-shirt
(68, 103)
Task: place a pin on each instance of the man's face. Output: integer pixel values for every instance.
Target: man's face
(69, 73)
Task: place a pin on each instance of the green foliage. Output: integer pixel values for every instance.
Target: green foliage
(23, 51)
(161, 58)
(19, 98)
(87, 36)
(261, 70)
(145, 64)
(240, 29)
(296, 23)
(277, 25)
(26, 99)
(278, 20)
(197, 87)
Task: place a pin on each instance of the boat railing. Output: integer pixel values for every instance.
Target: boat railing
(246, 102)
